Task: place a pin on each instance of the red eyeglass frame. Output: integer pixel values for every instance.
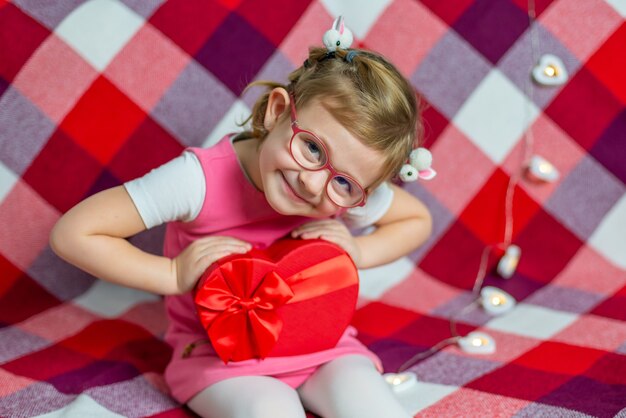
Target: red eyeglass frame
(327, 166)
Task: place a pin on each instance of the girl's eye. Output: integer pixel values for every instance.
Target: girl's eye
(343, 185)
(313, 150)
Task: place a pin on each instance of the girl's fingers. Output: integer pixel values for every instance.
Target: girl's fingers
(317, 226)
(317, 233)
(228, 248)
(211, 258)
(341, 237)
(211, 253)
(311, 235)
(208, 258)
(218, 240)
(198, 256)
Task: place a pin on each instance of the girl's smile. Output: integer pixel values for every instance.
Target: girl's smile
(289, 190)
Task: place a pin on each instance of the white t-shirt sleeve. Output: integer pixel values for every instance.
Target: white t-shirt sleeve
(174, 191)
(378, 203)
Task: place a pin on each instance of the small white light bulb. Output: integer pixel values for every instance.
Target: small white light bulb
(541, 170)
(496, 301)
(400, 381)
(477, 343)
(550, 71)
(509, 261)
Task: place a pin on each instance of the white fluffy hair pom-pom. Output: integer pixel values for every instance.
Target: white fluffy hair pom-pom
(408, 173)
(421, 158)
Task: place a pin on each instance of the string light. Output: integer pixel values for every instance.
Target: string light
(400, 382)
(509, 261)
(477, 343)
(549, 71)
(541, 170)
(496, 301)
(420, 356)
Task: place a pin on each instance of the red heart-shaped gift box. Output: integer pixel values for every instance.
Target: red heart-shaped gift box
(295, 297)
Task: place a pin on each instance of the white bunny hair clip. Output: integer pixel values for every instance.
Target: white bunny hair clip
(419, 164)
(339, 36)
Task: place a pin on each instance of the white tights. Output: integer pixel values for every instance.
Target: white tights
(346, 387)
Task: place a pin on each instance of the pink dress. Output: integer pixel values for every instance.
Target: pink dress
(232, 207)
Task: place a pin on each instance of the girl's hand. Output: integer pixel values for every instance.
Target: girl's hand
(333, 231)
(200, 254)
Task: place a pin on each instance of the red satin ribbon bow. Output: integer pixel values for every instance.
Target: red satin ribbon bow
(242, 322)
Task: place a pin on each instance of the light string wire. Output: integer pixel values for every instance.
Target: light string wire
(528, 142)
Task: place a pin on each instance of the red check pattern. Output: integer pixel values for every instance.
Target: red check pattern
(95, 93)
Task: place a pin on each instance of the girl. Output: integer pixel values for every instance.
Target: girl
(321, 148)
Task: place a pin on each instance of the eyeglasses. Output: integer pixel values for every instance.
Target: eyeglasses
(311, 154)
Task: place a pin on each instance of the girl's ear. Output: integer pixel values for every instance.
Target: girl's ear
(277, 104)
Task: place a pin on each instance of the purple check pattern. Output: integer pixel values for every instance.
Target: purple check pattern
(95, 93)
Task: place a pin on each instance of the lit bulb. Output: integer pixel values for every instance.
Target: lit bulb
(496, 301)
(477, 343)
(509, 261)
(540, 169)
(550, 71)
(400, 381)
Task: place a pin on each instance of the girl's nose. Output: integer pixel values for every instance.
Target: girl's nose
(313, 182)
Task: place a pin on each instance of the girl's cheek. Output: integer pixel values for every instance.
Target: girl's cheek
(328, 209)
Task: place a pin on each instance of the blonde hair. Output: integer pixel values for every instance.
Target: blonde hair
(367, 95)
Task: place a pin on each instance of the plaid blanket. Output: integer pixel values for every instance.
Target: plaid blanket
(94, 93)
